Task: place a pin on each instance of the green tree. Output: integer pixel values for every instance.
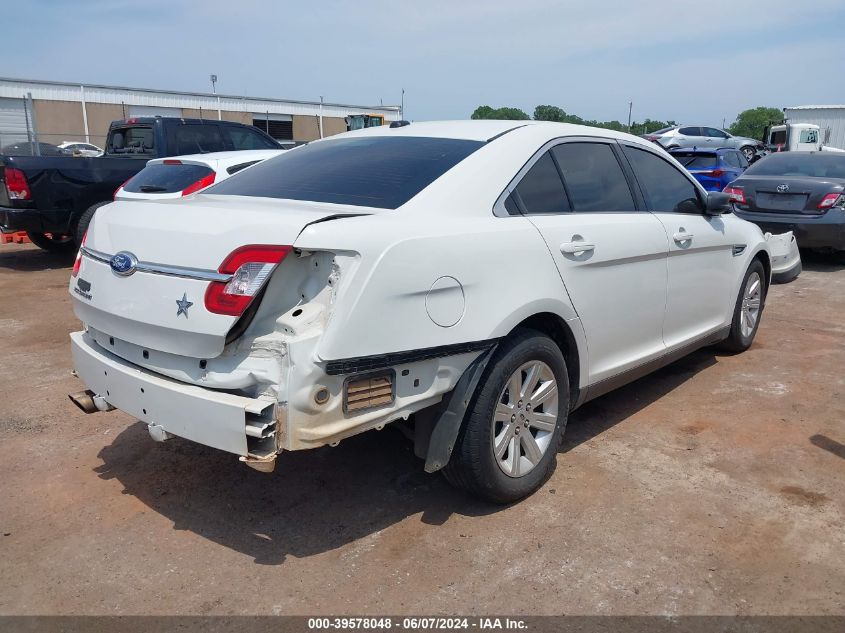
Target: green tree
(751, 123)
(507, 113)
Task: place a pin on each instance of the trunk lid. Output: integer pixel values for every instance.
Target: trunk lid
(785, 194)
(166, 312)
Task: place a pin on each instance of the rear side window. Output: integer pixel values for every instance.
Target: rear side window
(690, 131)
(594, 179)
(379, 171)
(195, 138)
(164, 178)
(247, 138)
(732, 159)
(696, 161)
(664, 185)
(132, 140)
(541, 190)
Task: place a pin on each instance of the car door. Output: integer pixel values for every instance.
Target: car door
(716, 138)
(691, 136)
(701, 275)
(611, 257)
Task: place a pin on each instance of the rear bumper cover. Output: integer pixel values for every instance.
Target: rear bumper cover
(34, 220)
(213, 418)
(822, 231)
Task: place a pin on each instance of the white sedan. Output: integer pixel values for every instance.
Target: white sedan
(474, 281)
(178, 176)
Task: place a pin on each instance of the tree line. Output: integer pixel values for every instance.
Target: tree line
(748, 123)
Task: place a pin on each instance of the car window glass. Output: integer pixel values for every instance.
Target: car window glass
(714, 133)
(731, 159)
(666, 187)
(690, 131)
(195, 139)
(541, 189)
(245, 138)
(375, 171)
(743, 162)
(594, 179)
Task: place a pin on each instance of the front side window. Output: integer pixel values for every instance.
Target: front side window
(541, 190)
(665, 186)
(714, 133)
(594, 179)
(379, 171)
(246, 138)
(195, 138)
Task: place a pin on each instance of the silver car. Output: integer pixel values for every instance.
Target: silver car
(688, 136)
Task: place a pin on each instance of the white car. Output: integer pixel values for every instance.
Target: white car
(79, 148)
(474, 281)
(178, 176)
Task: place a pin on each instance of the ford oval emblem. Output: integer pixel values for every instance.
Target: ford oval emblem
(123, 263)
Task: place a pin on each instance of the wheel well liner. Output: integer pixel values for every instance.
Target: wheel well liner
(556, 328)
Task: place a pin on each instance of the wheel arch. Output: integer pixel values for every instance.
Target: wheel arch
(557, 329)
(764, 259)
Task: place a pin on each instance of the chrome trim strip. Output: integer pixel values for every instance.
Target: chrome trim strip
(162, 269)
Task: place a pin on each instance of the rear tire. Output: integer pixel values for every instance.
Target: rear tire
(85, 221)
(508, 442)
(52, 242)
(748, 309)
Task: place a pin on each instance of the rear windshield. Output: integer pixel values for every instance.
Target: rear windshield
(163, 178)
(696, 161)
(380, 171)
(800, 164)
(131, 140)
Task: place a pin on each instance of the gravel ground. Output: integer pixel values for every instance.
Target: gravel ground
(714, 486)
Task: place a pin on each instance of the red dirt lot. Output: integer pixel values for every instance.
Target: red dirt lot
(715, 486)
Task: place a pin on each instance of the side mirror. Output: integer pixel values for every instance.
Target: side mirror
(717, 203)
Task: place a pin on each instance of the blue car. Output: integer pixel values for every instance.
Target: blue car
(713, 168)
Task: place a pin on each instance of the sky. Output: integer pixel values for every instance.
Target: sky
(700, 62)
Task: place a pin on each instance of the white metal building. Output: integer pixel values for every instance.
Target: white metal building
(829, 118)
(60, 111)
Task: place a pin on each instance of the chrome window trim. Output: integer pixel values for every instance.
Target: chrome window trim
(499, 209)
(162, 269)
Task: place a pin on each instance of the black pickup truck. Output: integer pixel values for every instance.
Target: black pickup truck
(53, 198)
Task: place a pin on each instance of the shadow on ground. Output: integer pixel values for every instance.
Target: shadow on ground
(33, 258)
(822, 262)
(319, 500)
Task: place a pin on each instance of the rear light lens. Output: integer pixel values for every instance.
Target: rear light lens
(202, 183)
(117, 191)
(716, 173)
(832, 200)
(16, 185)
(78, 261)
(736, 193)
(250, 267)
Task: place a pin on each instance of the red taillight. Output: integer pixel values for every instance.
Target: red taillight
(16, 185)
(202, 183)
(172, 161)
(651, 138)
(716, 173)
(832, 200)
(736, 193)
(250, 267)
(117, 191)
(78, 261)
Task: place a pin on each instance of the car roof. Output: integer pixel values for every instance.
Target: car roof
(231, 157)
(482, 130)
(695, 150)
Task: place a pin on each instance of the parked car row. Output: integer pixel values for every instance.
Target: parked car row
(54, 196)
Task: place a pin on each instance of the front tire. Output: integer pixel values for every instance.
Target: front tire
(748, 309)
(749, 153)
(52, 242)
(514, 425)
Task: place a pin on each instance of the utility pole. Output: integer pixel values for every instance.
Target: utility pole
(214, 92)
(402, 106)
(321, 116)
(630, 109)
